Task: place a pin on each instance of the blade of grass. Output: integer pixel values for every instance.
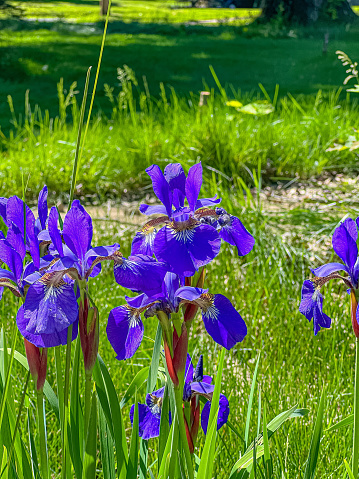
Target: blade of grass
(250, 402)
(315, 441)
(133, 453)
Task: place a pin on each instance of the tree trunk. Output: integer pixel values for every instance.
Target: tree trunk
(307, 11)
(103, 7)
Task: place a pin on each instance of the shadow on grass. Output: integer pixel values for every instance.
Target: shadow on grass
(36, 55)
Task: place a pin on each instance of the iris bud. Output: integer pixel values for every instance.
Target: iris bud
(89, 333)
(37, 360)
(353, 310)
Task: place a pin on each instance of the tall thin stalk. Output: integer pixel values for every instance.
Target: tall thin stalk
(42, 434)
(178, 393)
(355, 466)
(66, 402)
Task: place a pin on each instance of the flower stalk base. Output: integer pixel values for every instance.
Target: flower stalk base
(355, 466)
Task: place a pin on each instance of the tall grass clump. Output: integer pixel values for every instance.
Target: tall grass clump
(292, 139)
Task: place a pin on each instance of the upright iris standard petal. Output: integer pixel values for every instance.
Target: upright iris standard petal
(176, 180)
(221, 320)
(160, 187)
(43, 340)
(344, 242)
(124, 331)
(12, 259)
(15, 239)
(223, 413)
(54, 232)
(236, 234)
(15, 209)
(50, 305)
(311, 306)
(193, 185)
(186, 246)
(77, 230)
(42, 207)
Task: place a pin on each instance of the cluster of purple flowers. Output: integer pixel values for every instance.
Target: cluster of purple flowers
(49, 264)
(196, 385)
(344, 243)
(189, 239)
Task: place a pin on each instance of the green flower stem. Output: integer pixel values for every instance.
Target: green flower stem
(88, 401)
(42, 434)
(356, 413)
(178, 392)
(8, 374)
(66, 400)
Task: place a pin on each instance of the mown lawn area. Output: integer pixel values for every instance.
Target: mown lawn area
(34, 55)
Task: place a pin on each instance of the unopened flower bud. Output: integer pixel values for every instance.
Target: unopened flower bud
(353, 310)
(37, 360)
(89, 333)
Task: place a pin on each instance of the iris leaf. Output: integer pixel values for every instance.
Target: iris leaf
(110, 397)
(315, 441)
(136, 383)
(89, 467)
(133, 455)
(250, 401)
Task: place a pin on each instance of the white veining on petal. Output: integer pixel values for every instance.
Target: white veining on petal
(212, 313)
(52, 291)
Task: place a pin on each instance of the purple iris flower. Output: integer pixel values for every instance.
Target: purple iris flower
(43, 319)
(138, 272)
(150, 415)
(311, 306)
(344, 243)
(125, 327)
(196, 384)
(13, 214)
(189, 238)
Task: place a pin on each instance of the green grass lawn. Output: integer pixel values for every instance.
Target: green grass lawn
(132, 11)
(35, 55)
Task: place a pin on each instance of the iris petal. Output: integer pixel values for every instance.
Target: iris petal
(54, 232)
(149, 424)
(139, 275)
(344, 244)
(160, 187)
(236, 234)
(223, 413)
(328, 269)
(176, 180)
(187, 249)
(77, 230)
(223, 323)
(50, 305)
(124, 331)
(42, 207)
(153, 210)
(12, 259)
(43, 340)
(193, 185)
(143, 242)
